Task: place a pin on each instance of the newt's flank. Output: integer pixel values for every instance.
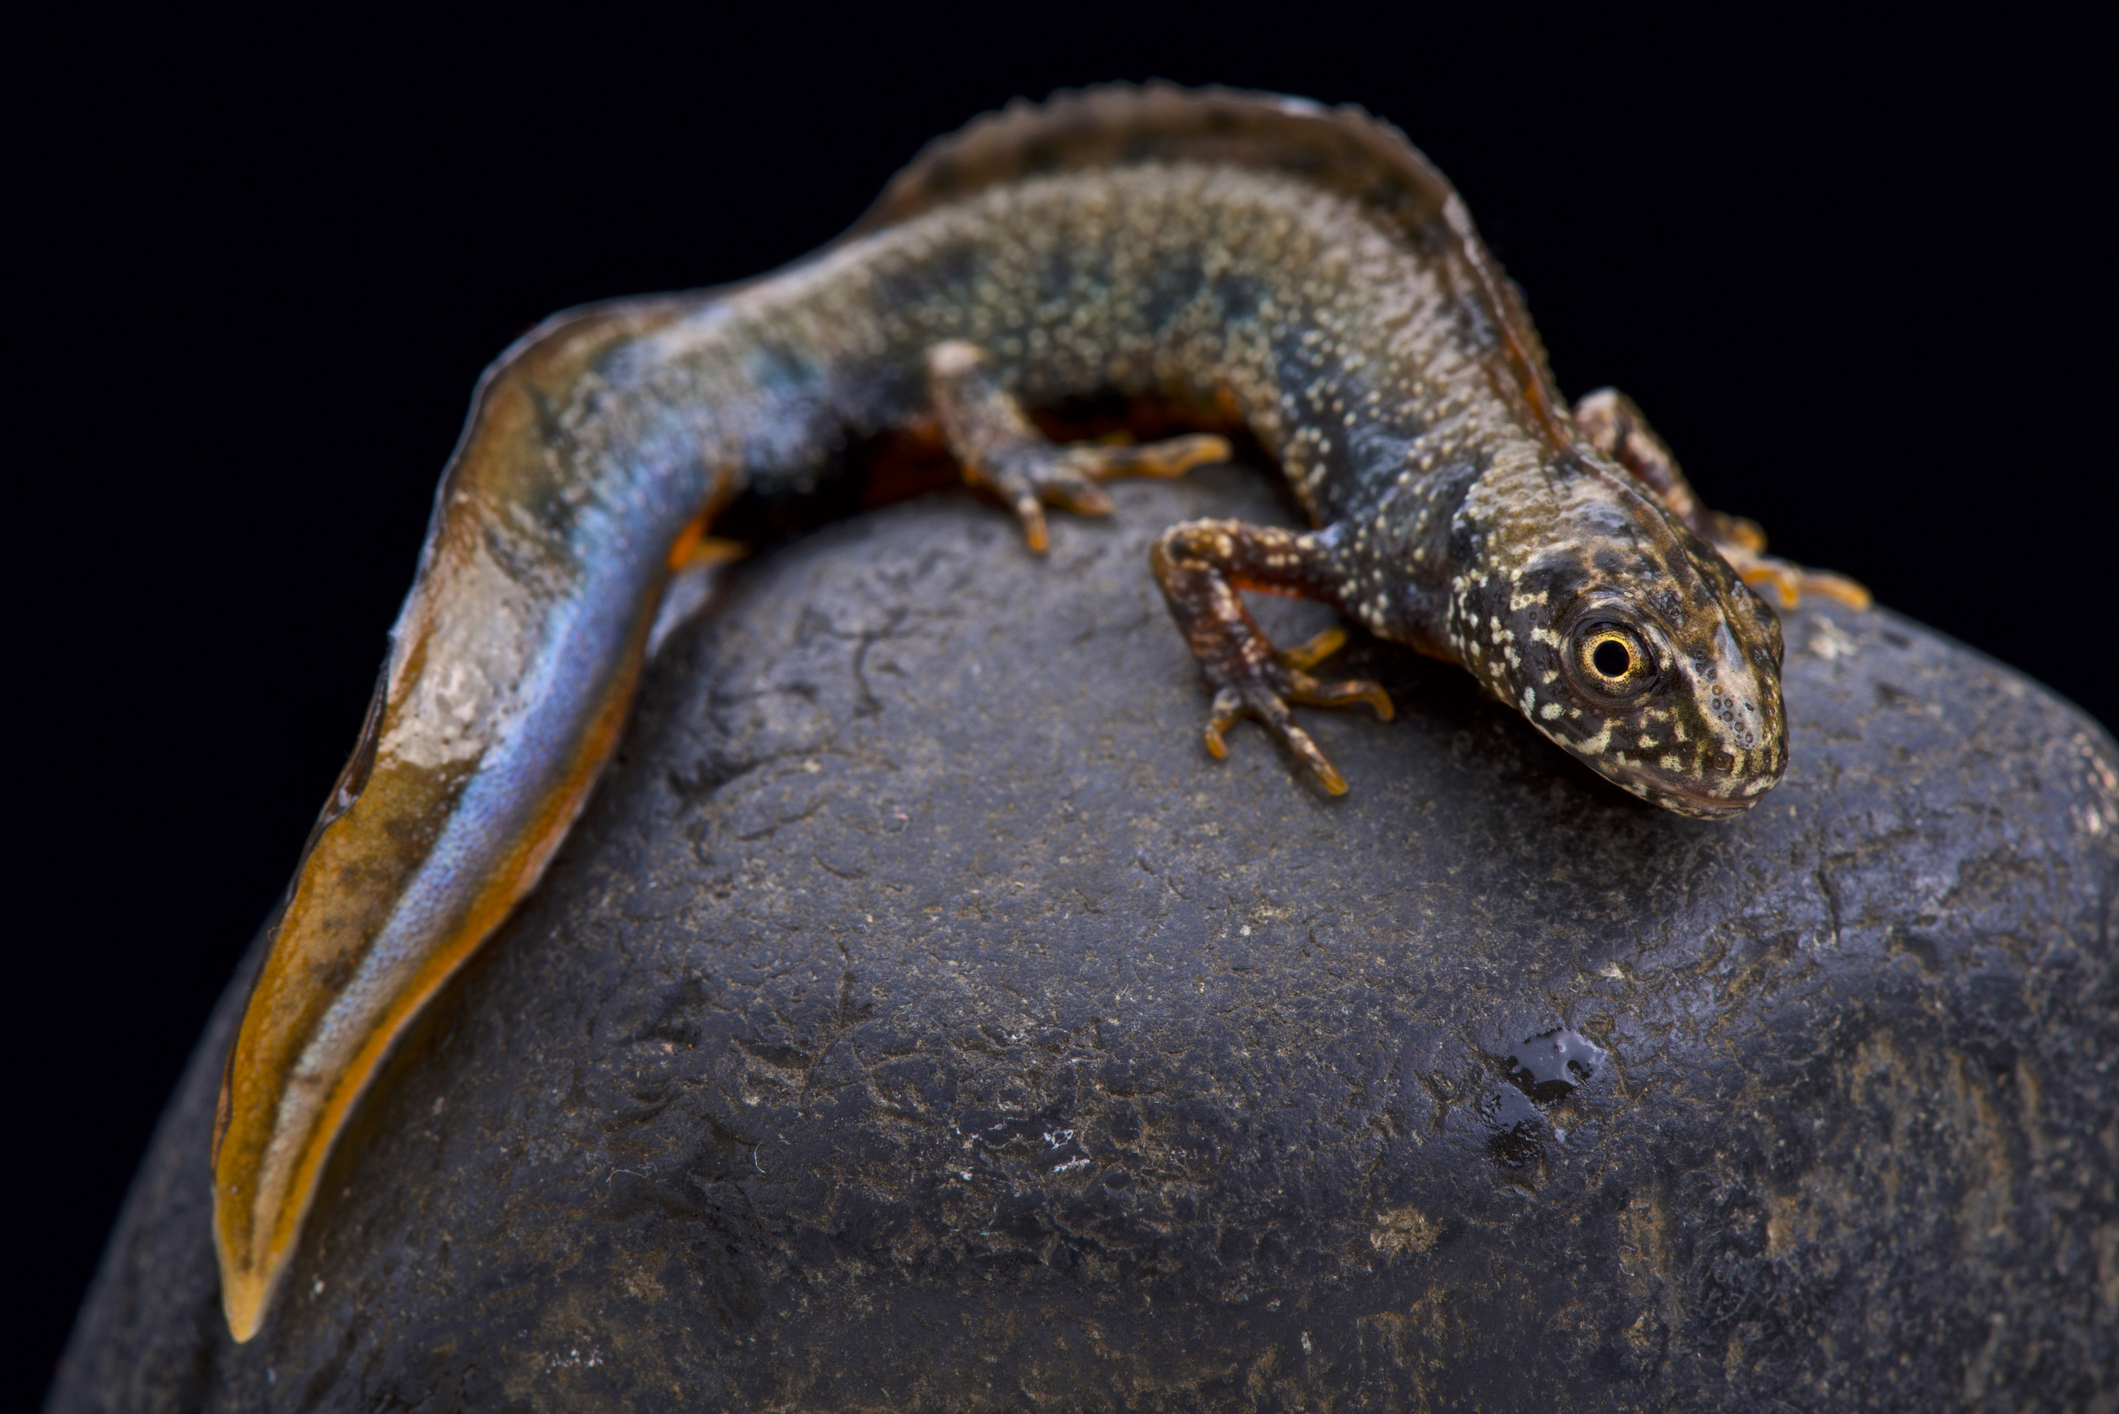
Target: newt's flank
(1250, 262)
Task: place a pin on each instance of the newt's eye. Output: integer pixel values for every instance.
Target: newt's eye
(1612, 661)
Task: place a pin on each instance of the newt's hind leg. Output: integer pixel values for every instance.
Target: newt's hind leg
(1612, 423)
(998, 447)
(1201, 565)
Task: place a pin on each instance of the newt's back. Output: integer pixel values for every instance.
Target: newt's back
(1249, 298)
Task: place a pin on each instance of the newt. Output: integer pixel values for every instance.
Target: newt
(1262, 263)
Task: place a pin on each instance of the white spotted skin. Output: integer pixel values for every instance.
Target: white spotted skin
(1447, 516)
(1562, 552)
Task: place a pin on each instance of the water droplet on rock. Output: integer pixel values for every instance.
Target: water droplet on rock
(1514, 1126)
(1548, 1067)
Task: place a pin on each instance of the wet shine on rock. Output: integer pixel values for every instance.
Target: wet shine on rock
(919, 1019)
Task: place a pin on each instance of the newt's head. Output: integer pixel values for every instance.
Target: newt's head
(1629, 641)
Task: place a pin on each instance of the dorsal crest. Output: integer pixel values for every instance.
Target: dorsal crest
(1344, 150)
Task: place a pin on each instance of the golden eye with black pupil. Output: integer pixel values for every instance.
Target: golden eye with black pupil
(1612, 661)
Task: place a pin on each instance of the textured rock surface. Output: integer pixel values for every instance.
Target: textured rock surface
(920, 1020)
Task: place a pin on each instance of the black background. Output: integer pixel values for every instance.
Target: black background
(1857, 273)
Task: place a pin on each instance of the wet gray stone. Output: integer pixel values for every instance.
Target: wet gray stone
(920, 1020)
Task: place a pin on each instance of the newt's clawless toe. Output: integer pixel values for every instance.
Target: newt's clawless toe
(1201, 566)
(1612, 423)
(998, 448)
(1300, 271)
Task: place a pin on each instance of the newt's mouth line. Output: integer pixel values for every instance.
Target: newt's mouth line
(1695, 798)
(1735, 803)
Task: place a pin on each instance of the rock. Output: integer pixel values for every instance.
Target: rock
(919, 1019)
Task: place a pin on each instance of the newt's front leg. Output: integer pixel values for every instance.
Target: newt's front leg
(1202, 566)
(998, 448)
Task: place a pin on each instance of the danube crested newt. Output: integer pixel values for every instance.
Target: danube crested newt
(1297, 272)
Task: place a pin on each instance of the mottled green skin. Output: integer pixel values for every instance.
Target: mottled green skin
(1450, 516)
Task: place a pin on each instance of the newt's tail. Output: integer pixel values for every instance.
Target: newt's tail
(512, 667)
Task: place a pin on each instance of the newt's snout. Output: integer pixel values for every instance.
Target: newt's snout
(1699, 732)
(1648, 661)
(1707, 736)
